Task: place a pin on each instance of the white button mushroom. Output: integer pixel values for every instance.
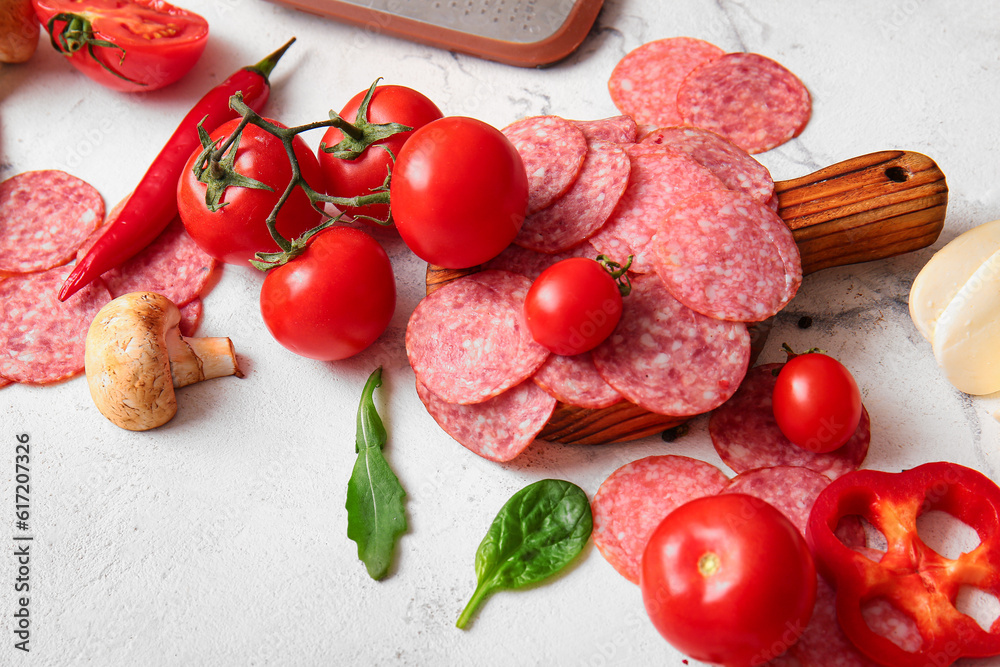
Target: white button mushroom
(136, 356)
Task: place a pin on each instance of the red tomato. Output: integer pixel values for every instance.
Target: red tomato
(817, 403)
(235, 232)
(459, 192)
(573, 306)
(360, 176)
(157, 42)
(727, 579)
(334, 299)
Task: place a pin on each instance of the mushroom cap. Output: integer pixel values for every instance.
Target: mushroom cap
(126, 360)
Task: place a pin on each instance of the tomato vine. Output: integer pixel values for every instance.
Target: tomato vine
(214, 167)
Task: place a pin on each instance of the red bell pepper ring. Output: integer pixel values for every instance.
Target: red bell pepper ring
(911, 576)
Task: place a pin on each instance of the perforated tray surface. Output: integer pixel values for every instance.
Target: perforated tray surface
(517, 32)
(520, 21)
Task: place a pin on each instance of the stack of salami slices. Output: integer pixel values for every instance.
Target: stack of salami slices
(751, 100)
(672, 185)
(47, 219)
(709, 255)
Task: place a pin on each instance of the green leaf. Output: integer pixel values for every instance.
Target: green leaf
(539, 531)
(376, 515)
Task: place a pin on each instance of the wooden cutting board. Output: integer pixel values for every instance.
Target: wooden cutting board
(869, 207)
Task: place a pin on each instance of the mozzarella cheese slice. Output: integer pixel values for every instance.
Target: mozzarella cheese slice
(947, 272)
(967, 333)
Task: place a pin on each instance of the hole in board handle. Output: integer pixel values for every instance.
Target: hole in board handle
(896, 174)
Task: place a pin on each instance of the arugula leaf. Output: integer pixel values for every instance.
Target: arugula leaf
(536, 533)
(375, 512)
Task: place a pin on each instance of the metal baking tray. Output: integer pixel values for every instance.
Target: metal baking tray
(525, 33)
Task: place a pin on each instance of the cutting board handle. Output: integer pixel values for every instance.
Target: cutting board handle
(869, 207)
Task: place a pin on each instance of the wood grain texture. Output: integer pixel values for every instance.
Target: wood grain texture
(870, 207)
(867, 208)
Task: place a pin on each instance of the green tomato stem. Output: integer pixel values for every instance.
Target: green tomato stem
(78, 33)
(618, 272)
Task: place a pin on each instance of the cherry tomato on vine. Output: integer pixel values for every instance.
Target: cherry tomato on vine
(728, 580)
(334, 299)
(816, 402)
(362, 175)
(573, 306)
(235, 232)
(126, 45)
(459, 192)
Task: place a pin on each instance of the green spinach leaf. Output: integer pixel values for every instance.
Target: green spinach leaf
(376, 515)
(536, 533)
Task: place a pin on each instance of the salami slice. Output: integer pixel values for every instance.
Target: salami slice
(44, 217)
(553, 150)
(751, 100)
(823, 643)
(41, 338)
(645, 82)
(746, 436)
(791, 489)
(575, 381)
(584, 208)
(4, 381)
(497, 429)
(617, 129)
(888, 621)
(786, 659)
(634, 499)
(468, 341)
(531, 263)
(774, 203)
(659, 179)
(172, 265)
(191, 314)
(735, 167)
(715, 255)
(669, 359)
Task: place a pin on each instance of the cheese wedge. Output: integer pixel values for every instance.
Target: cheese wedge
(941, 279)
(967, 333)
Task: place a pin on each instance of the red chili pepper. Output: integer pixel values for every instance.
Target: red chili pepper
(153, 203)
(911, 576)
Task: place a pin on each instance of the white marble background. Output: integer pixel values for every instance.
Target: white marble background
(220, 539)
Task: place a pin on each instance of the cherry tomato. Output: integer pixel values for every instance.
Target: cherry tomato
(334, 299)
(728, 580)
(235, 232)
(573, 306)
(459, 192)
(817, 403)
(144, 44)
(362, 175)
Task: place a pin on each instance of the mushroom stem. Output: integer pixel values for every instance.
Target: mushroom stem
(196, 359)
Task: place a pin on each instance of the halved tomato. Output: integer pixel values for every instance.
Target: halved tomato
(126, 45)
